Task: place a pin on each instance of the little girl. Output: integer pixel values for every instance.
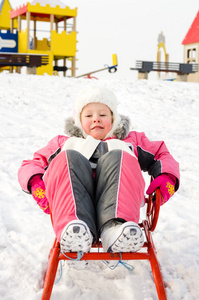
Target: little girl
(91, 181)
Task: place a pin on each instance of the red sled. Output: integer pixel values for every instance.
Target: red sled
(148, 252)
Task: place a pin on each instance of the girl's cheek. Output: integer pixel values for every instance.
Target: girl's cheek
(86, 124)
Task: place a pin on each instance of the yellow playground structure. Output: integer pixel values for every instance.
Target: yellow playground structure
(60, 46)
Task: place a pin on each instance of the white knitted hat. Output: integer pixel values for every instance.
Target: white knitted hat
(97, 94)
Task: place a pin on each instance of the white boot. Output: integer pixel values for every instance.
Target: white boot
(75, 237)
(127, 237)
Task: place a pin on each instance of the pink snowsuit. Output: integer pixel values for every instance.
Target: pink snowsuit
(115, 191)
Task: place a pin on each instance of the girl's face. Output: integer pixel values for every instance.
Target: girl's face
(96, 120)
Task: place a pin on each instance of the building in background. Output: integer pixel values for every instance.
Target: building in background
(191, 48)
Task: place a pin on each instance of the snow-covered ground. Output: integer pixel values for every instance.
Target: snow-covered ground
(33, 110)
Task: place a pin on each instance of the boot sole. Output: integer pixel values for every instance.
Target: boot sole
(128, 238)
(76, 237)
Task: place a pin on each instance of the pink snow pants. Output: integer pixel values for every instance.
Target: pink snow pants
(115, 192)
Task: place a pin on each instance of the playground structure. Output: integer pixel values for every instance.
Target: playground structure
(111, 69)
(18, 48)
(182, 69)
(61, 46)
(161, 45)
(191, 47)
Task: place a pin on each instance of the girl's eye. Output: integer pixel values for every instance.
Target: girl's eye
(88, 116)
(102, 115)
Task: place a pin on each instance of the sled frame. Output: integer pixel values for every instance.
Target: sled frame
(148, 226)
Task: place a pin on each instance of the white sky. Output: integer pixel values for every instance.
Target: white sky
(129, 28)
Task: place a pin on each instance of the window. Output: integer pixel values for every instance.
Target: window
(191, 55)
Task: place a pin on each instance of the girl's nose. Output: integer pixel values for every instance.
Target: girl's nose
(96, 119)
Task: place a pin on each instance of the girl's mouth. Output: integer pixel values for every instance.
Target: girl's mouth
(97, 127)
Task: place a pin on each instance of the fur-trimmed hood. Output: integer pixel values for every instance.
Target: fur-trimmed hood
(121, 132)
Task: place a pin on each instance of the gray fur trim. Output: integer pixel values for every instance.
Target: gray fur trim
(71, 129)
(120, 133)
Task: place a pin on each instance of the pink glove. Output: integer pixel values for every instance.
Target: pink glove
(38, 193)
(166, 183)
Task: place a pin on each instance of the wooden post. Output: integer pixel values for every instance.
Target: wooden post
(34, 36)
(19, 23)
(11, 31)
(65, 29)
(143, 75)
(28, 29)
(158, 60)
(182, 77)
(56, 25)
(51, 22)
(73, 66)
(65, 20)
(74, 24)
(64, 66)
(74, 58)
(18, 69)
(11, 25)
(52, 18)
(28, 70)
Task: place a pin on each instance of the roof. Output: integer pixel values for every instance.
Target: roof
(52, 3)
(5, 8)
(2, 3)
(192, 35)
(41, 11)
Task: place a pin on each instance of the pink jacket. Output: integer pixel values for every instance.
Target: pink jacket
(153, 157)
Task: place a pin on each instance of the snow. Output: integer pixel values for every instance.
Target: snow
(33, 110)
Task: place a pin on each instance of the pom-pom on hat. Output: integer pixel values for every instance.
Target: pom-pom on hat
(96, 94)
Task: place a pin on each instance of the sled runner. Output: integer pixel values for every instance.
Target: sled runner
(148, 252)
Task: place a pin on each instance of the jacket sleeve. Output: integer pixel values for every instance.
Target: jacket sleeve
(154, 157)
(39, 163)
